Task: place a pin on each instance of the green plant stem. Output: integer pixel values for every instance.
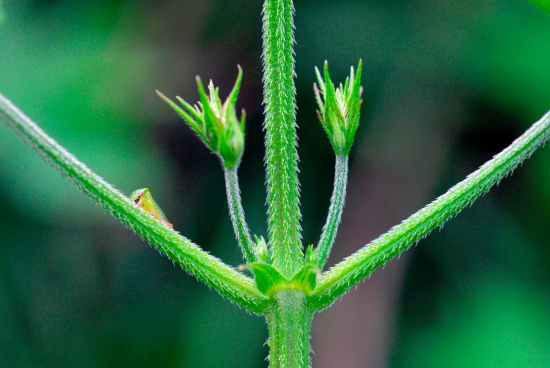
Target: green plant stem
(237, 214)
(336, 208)
(289, 321)
(280, 124)
(355, 268)
(210, 270)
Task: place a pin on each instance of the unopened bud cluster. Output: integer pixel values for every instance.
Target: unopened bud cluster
(311, 256)
(339, 108)
(262, 253)
(215, 123)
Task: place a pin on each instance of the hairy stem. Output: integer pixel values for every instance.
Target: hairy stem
(208, 269)
(336, 208)
(237, 214)
(355, 268)
(280, 124)
(289, 321)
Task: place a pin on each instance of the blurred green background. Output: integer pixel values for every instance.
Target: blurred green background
(447, 84)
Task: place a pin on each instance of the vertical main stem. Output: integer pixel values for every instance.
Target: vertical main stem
(288, 318)
(280, 125)
(289, 321)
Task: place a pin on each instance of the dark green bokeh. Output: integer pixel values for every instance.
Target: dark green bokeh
(446, 86)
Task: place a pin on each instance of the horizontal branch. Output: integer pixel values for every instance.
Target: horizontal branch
(338, 280)
(208, 269)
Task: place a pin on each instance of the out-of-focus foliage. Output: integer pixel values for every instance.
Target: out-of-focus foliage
(545, 4)
(446, 84)
(2, 15)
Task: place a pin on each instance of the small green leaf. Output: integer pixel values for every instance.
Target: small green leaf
(268, 279)
(306, 278)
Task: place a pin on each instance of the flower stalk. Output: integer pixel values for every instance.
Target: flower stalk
(336, 208)
(236, 212)
(217, 125)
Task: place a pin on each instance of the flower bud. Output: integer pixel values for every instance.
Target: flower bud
(261, 250)
(311, 256)
(339, 108)
(215, 123)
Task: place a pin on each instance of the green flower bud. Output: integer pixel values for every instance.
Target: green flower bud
(261, 249)
(215, 123)
(311, 256)
(339, 108)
